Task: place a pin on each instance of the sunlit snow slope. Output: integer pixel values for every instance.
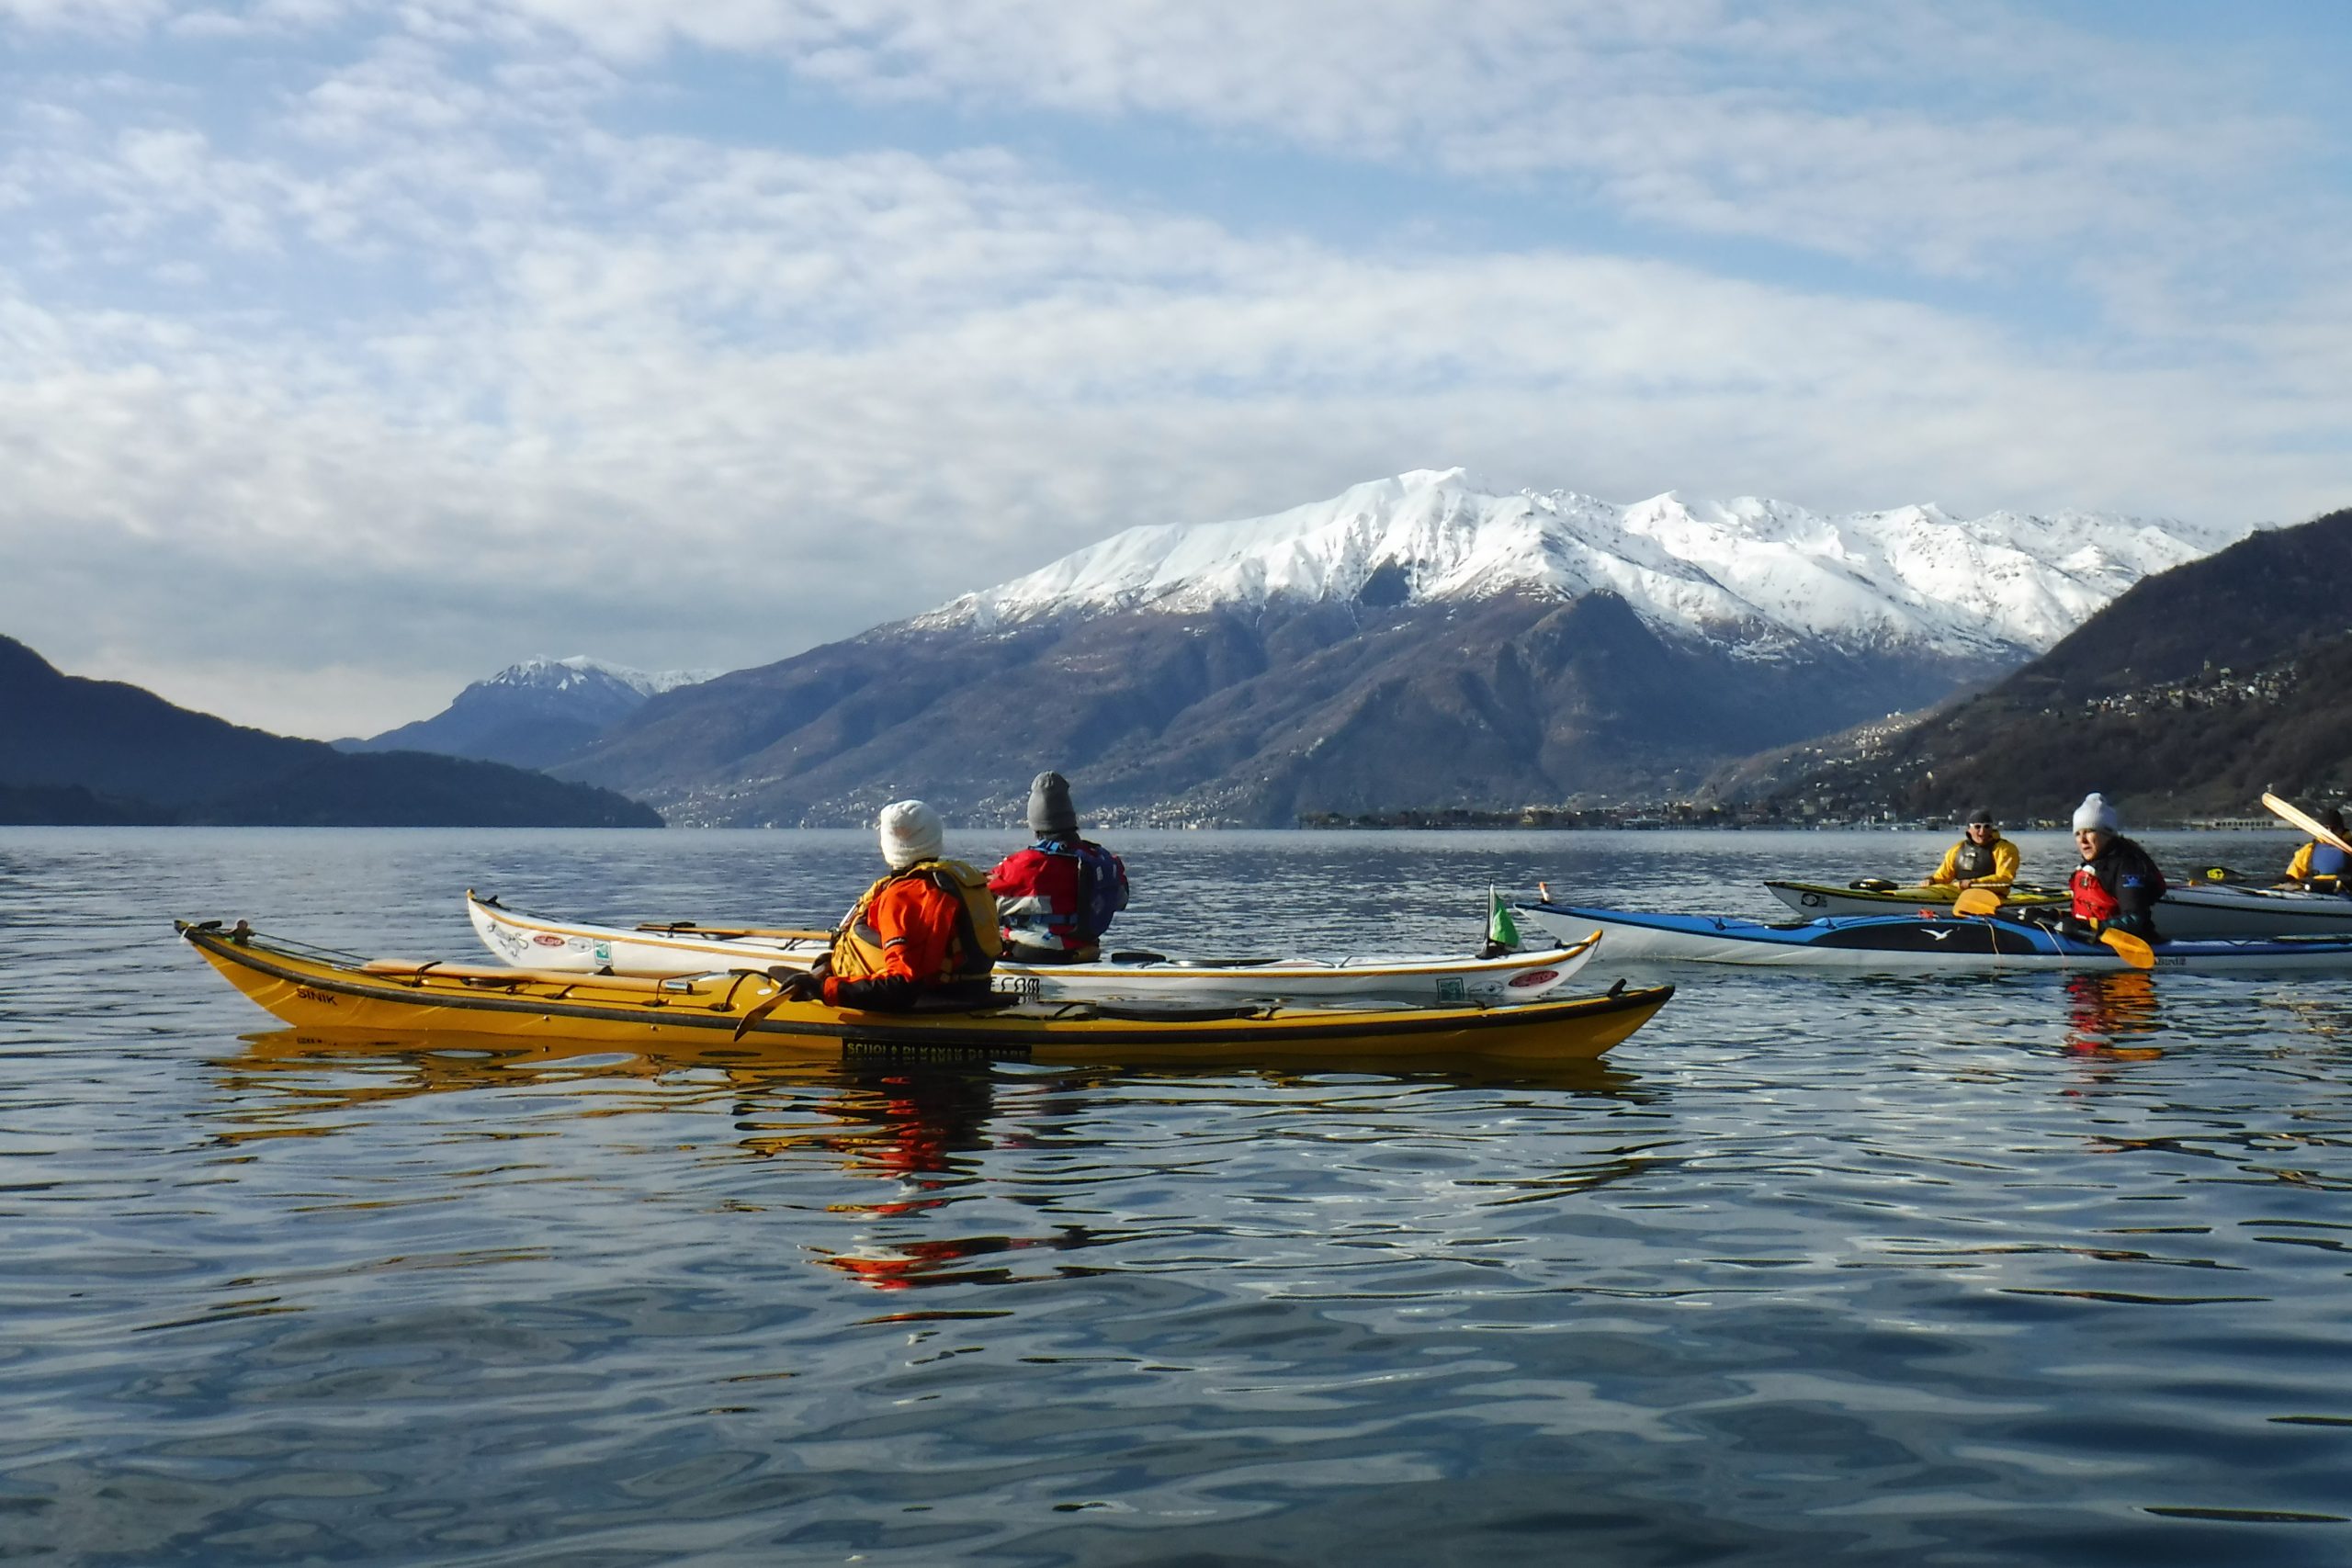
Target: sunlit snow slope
(1755, 573)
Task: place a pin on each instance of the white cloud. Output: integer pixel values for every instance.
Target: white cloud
(1771, 121)
(116, 17)
(475, 370)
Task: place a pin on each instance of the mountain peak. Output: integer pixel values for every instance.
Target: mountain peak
(1751, 571)
(534, 713)
(580, 670)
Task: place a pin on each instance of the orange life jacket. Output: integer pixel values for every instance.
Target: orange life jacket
(972, 952)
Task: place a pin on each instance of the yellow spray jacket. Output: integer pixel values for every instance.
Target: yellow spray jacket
(2004, 864)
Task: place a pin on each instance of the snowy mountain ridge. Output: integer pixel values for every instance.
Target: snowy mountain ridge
(1755, 575)
(533, 714)
(581, 670)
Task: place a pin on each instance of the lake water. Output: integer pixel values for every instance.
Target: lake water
(2001, 1270)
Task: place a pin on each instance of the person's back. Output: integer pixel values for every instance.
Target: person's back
(1055, 898)
(924, 935)
(2321, 865)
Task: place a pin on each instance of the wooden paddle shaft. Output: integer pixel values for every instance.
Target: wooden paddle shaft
(2296, 815)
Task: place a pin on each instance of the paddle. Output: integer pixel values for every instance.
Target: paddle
(2129, 948)
(2295, 816)
(774, 934)
(783, 977)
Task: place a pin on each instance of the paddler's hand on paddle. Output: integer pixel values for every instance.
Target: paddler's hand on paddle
(2130, 947)
(791, 985)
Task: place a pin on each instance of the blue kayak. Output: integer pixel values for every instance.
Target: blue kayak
(1917, 943)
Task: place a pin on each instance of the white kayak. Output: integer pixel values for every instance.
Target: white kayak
(680, 948)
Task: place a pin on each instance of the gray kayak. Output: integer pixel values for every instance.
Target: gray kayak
(2191, 912)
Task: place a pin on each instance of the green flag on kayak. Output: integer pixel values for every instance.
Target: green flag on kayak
(1501, 929)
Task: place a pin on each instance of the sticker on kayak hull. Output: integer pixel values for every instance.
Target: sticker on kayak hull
(1535, 978)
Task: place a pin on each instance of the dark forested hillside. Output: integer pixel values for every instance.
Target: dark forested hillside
(1255, 716)
(75, 750)
(2191, 693)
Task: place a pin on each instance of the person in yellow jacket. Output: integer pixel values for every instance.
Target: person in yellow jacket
(1982, 857)
(2319, 865)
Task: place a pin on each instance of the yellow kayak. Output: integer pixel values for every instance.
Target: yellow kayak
(311, 987)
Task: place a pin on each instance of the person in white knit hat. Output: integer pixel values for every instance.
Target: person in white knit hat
(2117, 884)
(923, 936)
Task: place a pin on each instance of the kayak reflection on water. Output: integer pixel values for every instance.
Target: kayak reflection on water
(2105, 1009)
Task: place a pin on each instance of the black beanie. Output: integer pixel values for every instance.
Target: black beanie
(1049, 807)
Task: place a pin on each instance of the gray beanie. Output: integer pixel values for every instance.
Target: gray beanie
(1049, 807)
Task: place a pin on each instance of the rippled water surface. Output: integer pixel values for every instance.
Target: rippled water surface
(1980, 1271)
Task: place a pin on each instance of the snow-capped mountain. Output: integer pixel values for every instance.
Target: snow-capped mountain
(534, 713)
(1414, 643)
(1756, 574)
(582, 673)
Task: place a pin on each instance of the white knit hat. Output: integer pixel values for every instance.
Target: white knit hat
(2095, 812)
(910, 832)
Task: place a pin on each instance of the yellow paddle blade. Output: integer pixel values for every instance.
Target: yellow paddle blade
(755, 1012)
(2130, 948)
(1976, 901)
(758, 1010)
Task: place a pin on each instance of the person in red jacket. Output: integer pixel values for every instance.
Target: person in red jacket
(923, 936)
(1055, 898)
(2117, 884)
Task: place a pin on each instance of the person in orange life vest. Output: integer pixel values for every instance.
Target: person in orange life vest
(1055, 898)
(2324, 865)
(924, 935)
(1982, 857)
(2117, 884)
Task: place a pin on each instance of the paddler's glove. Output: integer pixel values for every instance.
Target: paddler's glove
(804, 986)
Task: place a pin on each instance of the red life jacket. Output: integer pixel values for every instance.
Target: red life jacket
(2092, 900)
(1058, 895)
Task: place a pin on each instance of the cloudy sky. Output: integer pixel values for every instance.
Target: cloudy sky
(353, 349)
